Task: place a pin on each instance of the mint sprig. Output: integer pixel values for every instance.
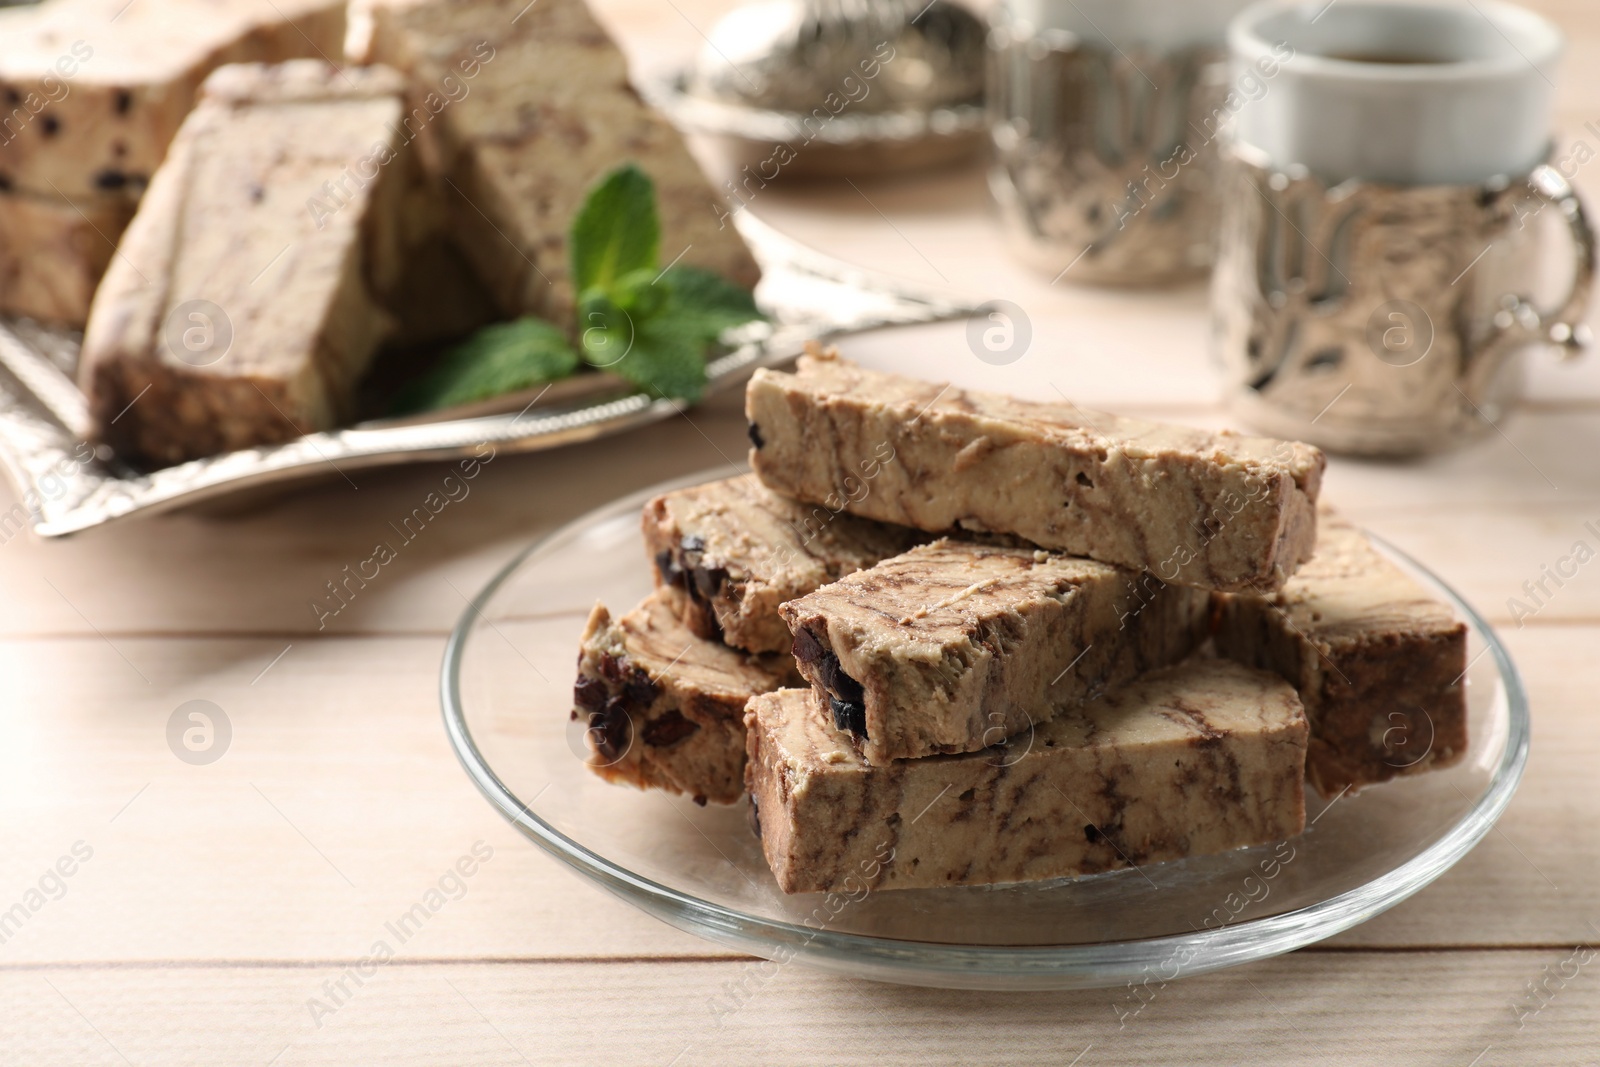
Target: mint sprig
(498, 359)
(617, 231)
(651, 327)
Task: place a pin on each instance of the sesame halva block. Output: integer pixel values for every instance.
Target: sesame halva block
(954, 646)
(664, 709)
(1216, 510)
(1198, 758)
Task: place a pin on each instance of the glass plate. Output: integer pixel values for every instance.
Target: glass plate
(506, 689)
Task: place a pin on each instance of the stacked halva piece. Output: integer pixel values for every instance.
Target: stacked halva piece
(1036, 641)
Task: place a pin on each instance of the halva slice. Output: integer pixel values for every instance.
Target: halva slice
(94, 91)
(529, 105)
(953, 646)
(664, 709)
(1202, 757)
(1216, 510)
(53, 252)
(245, 301)
(733, 550)
(1379, 661)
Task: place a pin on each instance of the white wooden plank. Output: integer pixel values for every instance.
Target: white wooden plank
(1309, 1008)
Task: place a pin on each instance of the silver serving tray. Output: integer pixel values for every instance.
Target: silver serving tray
(64, 485)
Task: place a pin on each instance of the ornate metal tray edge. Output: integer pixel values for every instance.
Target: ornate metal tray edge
(65, 485)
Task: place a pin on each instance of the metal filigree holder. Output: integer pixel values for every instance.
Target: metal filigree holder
(1105, 163)
(1386, 320)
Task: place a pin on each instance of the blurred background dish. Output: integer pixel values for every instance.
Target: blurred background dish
(812, 88)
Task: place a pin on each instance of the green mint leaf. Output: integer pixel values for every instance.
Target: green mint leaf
(605, 330)
(655, 330)
(639, 295)
(659, 353)
(652, 328)
(617, 231)
(668, 358)
(705, 304)
(501, 358)
(709, 298)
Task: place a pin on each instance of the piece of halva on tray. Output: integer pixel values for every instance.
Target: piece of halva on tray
(524, 108)
(246, 301)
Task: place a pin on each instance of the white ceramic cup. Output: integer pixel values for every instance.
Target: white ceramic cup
(1413, 93)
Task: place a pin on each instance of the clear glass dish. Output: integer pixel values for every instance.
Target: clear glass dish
(506, 689)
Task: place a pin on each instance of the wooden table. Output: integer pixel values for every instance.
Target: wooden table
(208, 906)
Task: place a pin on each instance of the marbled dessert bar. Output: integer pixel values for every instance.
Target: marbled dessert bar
(529, 106)
(94, 92)
(734, 550)
(1216, 510)
(246, 299)
(664, 708)
(53, 252)
(1202, 757)
(952, 646)
(1379, 662)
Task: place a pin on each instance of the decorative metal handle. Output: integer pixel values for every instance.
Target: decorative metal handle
(1519, 321)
